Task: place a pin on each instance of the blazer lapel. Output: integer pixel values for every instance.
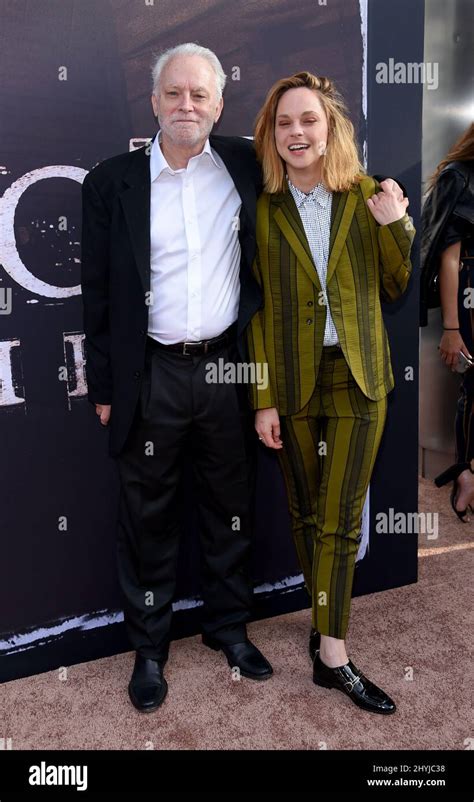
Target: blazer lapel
(289, 221)
(342, 212)
(135, 201)
(287, 218)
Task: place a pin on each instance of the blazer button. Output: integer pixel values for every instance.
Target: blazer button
(309, 320)
(142, 331)
(137, 374)
(310, 303)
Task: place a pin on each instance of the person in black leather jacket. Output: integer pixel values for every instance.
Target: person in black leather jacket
(447, 280)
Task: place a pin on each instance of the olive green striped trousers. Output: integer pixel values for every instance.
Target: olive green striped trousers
(328, 454)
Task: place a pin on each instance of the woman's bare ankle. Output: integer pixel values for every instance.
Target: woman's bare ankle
(333, 651)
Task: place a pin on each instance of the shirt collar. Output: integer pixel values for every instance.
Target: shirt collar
(158, 162)
(319, 193)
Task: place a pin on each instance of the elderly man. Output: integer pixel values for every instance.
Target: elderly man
(167, 247)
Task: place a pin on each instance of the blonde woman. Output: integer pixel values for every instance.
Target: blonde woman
(331, 243)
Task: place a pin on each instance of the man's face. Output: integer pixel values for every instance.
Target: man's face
(186, 101)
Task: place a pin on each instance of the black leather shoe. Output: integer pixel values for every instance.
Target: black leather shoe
(147, 687)
(314, 643)
(244, 656)
(354, 684)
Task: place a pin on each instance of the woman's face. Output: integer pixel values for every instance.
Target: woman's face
(301, 129)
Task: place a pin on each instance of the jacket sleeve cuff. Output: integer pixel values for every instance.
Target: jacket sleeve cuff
(261, 398)
(395, 240)
(99, 397)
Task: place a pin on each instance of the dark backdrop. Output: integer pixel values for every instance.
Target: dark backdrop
(75, 90)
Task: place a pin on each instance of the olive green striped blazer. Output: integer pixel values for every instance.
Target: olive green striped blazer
(367, 262)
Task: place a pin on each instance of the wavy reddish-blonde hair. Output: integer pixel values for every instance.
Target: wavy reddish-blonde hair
(341, 164)
(461, 151)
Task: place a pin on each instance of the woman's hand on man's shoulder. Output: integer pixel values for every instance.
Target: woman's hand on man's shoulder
(389, 204)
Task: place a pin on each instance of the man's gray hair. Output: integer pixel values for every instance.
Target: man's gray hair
(189, 49)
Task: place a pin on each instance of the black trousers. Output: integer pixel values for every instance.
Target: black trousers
(180, 412)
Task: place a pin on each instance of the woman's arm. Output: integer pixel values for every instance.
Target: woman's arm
(260, 397)
(451, 342)
(267, 421)
(449, 285)
(395, 236)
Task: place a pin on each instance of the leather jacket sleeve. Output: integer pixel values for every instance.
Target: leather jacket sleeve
(451, 191)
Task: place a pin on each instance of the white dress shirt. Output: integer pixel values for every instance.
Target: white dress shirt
(195, 249)
(315, 211)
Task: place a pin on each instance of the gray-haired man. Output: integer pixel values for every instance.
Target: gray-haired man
(168, 243)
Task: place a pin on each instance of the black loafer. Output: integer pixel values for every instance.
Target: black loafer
(147, 687)
(354, 684)
(244, 656)
(314, 643)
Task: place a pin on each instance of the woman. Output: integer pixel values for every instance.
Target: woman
(330, 241)
(447, 262)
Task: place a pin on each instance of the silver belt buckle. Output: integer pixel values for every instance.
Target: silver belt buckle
(199, 342)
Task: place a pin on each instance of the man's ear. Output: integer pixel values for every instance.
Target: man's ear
(219, 109)
(154, 103)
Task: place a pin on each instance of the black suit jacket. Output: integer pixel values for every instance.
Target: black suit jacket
(115, 273)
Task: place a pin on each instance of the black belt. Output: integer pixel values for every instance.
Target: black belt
(190, 348)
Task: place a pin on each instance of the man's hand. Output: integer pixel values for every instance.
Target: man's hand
(389, 205)
(267, 425)
(103, 410)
